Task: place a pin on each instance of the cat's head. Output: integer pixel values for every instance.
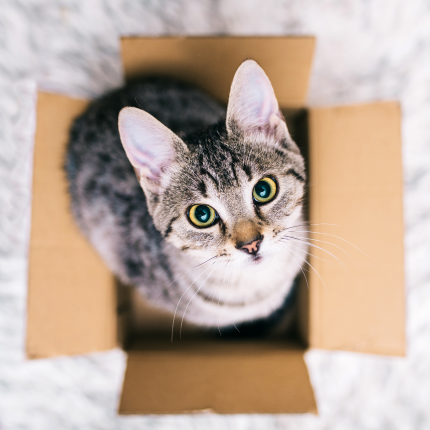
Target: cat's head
(229, 191)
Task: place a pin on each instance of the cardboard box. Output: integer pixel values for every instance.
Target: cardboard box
(355, 171)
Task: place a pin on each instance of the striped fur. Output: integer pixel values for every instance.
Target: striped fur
(146, 238)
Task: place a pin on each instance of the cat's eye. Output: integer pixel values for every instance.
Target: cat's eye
(202, 215)
(264, 190)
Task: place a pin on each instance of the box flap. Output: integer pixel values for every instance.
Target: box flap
(228, 378)
(71, 294)
(356, 184)
(210, 62)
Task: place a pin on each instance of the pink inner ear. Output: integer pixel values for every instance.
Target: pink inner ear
(264, 99)
(149, 145)
(252, 100)
(147, 164)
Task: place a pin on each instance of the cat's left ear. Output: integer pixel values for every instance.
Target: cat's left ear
(252, 106)
(150, 146)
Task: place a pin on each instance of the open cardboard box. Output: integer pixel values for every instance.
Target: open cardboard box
(355, 182)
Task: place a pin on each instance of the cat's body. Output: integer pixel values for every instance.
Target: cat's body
(212, 275)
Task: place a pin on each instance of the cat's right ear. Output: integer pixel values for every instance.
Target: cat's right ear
(150, 146)
(253, 107)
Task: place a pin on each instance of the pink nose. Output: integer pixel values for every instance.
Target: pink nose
(252, 247)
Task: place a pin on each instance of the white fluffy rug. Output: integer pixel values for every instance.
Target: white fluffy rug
(367, 50)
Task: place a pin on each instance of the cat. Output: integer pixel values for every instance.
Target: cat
(191, 202)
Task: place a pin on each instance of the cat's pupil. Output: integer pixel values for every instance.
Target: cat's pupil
(202, 213)
(262, 189)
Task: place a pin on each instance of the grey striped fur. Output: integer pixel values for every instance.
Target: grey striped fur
(145, 236)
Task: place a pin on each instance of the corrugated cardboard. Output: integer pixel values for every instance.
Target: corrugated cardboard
(71, 295)
(219, 377)
(355, 182)
(210, 62)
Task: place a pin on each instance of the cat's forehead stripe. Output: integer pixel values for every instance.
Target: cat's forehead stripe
(169, 226)
(220, 165)
(202, 188)
(294, 173)
(248, 171)
(206, 173)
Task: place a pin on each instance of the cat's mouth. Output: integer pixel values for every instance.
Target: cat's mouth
(252, 260)
(256, 259)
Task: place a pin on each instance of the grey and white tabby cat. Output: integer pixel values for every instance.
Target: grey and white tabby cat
(204, 238)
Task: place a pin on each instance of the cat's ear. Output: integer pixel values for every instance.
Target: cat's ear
(252, 105)
(150, 146)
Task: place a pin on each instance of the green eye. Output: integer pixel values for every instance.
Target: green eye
(202, 215)
(264, 190)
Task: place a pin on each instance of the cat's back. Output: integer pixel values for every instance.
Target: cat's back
(180, 107)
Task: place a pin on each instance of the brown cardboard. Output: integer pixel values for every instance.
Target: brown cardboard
(356, 183)
(210, 374)
(210, 62)
(71, 300)
(148, 321)
(218, 377)
(355, 171)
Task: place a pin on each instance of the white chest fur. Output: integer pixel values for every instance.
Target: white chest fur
(221, 293)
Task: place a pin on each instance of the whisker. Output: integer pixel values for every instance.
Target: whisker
(323, 241)
(178, 277)
(192, 297)
(300, 266)
(229, 278)
(318, 247)
(293, 226)
(308, 223)
(223, 281)
(337, 237)
(183, 294)
(222, 289)
(204, 262)
(225, 288)
(284, 242)
(342, 264)
(310, 265)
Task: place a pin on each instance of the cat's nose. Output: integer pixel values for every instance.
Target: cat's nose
(252, 247)
(247, 237)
